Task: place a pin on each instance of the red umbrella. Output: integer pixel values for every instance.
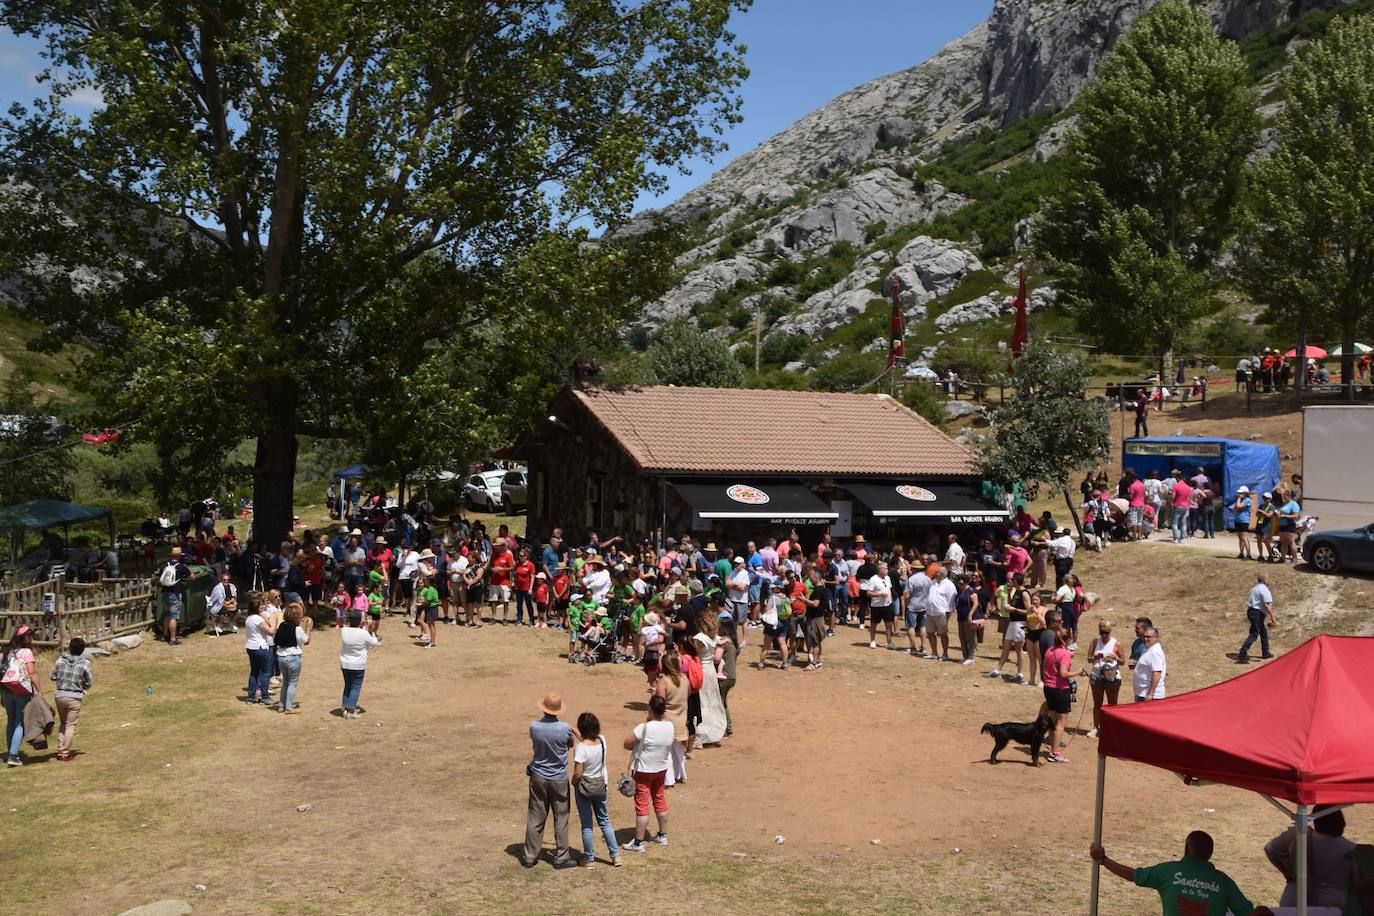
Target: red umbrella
(1312, 352)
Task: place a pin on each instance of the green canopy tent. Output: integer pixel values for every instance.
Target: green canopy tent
(39, 514)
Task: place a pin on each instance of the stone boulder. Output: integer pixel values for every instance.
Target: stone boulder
(131, 641)
(955, 410)
(981, 309)
(940, 265)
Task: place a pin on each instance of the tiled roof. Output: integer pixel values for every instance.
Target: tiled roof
(743, 430)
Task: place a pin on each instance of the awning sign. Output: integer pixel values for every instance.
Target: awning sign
(750, 496)
(917, 494)
(1180, 449)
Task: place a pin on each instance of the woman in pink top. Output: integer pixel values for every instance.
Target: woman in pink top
(1055, 674)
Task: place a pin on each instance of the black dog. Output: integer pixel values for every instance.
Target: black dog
(1031, 733)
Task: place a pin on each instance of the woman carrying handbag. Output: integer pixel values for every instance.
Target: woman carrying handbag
(590, 788)
(651, 742)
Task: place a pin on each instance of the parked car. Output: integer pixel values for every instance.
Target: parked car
(513, 491)
(483, 490)
(1333, 551)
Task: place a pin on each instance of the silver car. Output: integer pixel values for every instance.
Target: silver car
(513, 491)
(483, 490)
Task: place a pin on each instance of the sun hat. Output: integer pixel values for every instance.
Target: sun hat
(426, 554)
(859, 539)
(710, 547)
(176, 552)
(596, 560)
(552, 704)
(380, 540)
(355, 533)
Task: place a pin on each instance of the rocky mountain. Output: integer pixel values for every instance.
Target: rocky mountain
(923, 175)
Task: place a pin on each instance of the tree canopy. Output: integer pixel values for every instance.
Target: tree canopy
(288, 214)
(683, 354)
(1308, 244)
(1048, 431)
(1155, 172)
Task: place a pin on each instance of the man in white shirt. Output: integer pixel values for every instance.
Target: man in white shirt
(1063, 549)
(597, 581)
(1147, 681)
(917, 602)
(737, 590)
(1259, 611)
(406, 565)
(939, 605)
(879, 589)
(954, 557)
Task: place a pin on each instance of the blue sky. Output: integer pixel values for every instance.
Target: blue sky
(802, 53)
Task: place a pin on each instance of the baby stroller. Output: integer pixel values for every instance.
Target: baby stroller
(598, 643)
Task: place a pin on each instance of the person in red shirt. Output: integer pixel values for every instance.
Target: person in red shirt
(1135, 495)
(498, 592)
(1017, 559)
(541, 599)
(524, 586)
(379, 558)
(312, 571)
(561, 595)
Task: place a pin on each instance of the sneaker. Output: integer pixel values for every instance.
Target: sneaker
(1242, 659)
(911, 652)
(566, 863)
(14, 761)
(946, 658)
(891, 645)
(992, 674)
(758, 665)
(1055, 757)
(1073, 647)
(634, 846)
(932, 658)
(829, 633)
(967, 661)
(872, 644)
(1019, 679)
(588, 863)
(661, 839)
(233, 629)
(175, 642)
(1092, 733)
(428, 645)
(1267, 655)
(615, 861)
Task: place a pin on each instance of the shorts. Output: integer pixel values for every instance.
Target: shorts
(649, 787)
(915, 620)
(885, 614)
(1135, 516)
(1058, 699)
(498, 594)
(1241, 527)
(407, 589)
(1016, 631)
(937, 624)
(313, 592)
(774, 632)
(1033, 636)
(375, 615)
(431, 614)
(815, 632)
(756, 593)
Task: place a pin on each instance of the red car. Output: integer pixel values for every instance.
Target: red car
(105, 436)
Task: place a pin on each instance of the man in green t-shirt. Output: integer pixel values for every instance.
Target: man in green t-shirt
(1192, 886)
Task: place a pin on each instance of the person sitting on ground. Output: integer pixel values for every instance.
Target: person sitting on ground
(1191, 884)
(1328, 868)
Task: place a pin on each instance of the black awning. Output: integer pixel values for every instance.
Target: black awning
(956, 503)
(781, 502)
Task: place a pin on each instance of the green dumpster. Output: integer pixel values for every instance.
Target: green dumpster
(196, 591)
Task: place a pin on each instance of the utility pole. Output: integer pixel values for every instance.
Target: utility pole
(758, 335)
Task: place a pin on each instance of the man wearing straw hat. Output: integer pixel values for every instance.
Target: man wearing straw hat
(548, 772)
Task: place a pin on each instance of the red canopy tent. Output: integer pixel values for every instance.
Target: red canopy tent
(1301, 729)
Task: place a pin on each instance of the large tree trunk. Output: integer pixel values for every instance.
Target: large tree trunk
(1073, 511)
(274, 472)
(1348, 358)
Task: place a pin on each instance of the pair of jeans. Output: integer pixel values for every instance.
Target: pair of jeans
(1178, 523)
(523, 600)
(353, 687)
(290, 667)
(1209, 522)
(1142, 426)
(259, 674)
(15, 704)
(1257, 629)
(594, 809)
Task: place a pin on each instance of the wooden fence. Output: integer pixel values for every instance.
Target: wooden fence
(58, 610)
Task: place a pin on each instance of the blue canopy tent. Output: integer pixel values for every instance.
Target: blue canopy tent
(342, 475)
(1232, 463)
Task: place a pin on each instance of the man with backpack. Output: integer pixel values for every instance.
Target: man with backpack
(172, 579)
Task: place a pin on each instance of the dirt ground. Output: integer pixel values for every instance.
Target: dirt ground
(873, 771)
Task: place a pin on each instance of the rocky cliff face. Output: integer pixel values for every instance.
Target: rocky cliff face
(846, 173)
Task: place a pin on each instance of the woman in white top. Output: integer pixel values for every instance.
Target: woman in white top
(258, 632)
(1107, 657)
(288, 640)
(651, 742)
(590, 788)
(354, 641)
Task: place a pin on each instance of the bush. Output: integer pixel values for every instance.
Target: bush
(783, 348)
(784, 273)
(927, 399)
(739, 317)
(640, 337)
(875, 231)
(687, 356)
(849, 373)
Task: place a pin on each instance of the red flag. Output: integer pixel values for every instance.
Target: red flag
(897, 332)
(1020, 335)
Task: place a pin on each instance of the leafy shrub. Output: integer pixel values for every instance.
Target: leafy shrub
(926, 398)
(739, 317)
(783, 348)
(640, 337)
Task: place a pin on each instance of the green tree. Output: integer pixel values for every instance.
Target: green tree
(1308, 245)
(685, 355)
(283, 207)
(35, 456)
(1155, 169)
(1048, 431)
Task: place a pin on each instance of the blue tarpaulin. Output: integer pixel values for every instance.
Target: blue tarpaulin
(1233, 463)
(353, 470)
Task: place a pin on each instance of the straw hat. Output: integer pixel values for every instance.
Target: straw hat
(710, 547)
(552, 704)
(380, 540)
(595, 560)
(176, 552)
(859, 539)
(426, 554)
(355, 533)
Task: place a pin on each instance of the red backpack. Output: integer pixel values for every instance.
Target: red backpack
(691, 666)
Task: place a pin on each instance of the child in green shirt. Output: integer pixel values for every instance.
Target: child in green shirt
(427, 610)
(374, 609)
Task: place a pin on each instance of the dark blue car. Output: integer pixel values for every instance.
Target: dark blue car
(1333, 551)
